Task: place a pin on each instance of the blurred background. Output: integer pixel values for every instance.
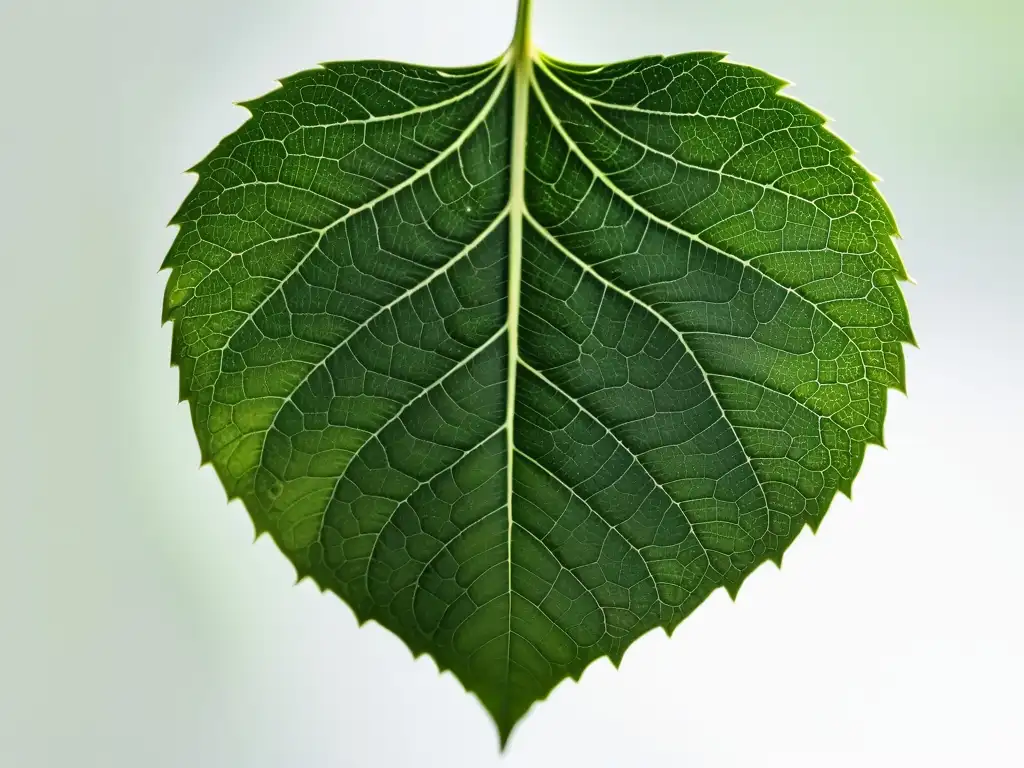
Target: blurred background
(141, 626)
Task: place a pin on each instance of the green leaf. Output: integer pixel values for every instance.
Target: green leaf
(524, 360)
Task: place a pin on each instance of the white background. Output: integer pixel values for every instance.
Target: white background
(140, 627)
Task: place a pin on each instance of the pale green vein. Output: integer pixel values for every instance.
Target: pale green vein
(468, 249)
(598, 173)
(547, 381)
(602, 518)
(522, 60)
(397, 415)
(672, 329)
(721, 172)
(390, 192)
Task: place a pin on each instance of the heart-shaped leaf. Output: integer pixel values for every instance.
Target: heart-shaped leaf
(524, 360)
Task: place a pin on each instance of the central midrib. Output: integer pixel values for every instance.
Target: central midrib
(521, 51)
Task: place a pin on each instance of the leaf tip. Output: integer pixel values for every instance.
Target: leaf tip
(505, 730)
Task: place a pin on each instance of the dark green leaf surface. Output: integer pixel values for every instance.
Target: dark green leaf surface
(690, 283)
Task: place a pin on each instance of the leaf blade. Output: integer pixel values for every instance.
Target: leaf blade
(603, 300)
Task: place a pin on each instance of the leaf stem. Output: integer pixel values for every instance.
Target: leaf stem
(521, 44)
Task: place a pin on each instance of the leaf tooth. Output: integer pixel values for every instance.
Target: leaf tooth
(312, 577)
(168, 306)
(176, 220)
(252, 106)
(732, 587)
(814, 523)
(615, 657)
(183, 392)
(232, 494)
(876, 439)
(180, 215)
(305, 571)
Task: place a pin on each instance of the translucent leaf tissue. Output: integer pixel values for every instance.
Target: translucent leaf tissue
(525, 359)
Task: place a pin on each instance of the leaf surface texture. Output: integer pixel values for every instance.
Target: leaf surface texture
(703, 323)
